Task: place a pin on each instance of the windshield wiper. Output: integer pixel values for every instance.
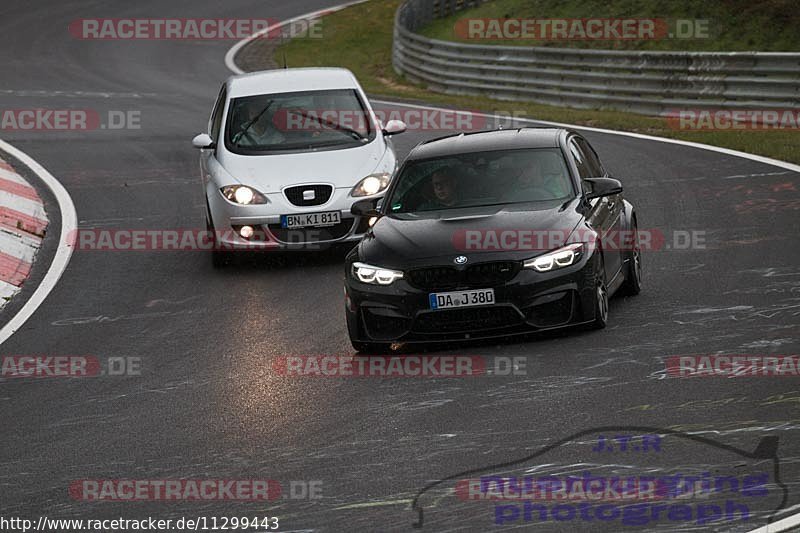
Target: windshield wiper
(249, 124)
(335, 125)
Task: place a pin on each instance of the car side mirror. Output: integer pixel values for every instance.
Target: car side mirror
(203, 141)
(365, 208)
(393, 127)
(603, 187)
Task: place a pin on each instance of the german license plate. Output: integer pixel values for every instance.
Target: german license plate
(311, 220)
(448, 300)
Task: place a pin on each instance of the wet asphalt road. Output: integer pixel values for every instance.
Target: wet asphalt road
(208, 405)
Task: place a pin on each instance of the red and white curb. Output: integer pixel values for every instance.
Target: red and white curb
(23, 222)
(63, 253)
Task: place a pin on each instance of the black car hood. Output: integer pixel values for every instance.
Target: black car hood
(406, 240)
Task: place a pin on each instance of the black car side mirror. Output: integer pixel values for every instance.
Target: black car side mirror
(365, 208)
(603, 187)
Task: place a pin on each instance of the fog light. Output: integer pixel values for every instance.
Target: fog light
(246, 231)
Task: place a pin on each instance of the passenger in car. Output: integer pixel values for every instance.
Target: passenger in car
(532, 182)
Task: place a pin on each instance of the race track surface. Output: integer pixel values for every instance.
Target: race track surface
(208, 404)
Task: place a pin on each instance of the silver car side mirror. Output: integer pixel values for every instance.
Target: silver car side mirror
(393, 127)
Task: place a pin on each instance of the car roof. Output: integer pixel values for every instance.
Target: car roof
(290, 80)
(484, 141)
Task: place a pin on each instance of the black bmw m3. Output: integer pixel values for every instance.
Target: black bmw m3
(491, 234)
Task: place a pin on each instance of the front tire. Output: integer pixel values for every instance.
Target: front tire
(633, 275)
(600, 298)
(219, 258)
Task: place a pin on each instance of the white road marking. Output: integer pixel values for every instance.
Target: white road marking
(73, 94)
(780, 525)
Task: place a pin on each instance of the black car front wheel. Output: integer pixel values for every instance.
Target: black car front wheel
(633, 275)
(600, 298)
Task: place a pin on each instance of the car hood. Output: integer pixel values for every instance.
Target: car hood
(270, 173)
(410, 240)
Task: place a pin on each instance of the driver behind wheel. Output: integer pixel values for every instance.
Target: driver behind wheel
(261, 132)
(444, 185)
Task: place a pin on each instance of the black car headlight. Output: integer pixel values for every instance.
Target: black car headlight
(374, 274)
(243, 195)
(563, 257)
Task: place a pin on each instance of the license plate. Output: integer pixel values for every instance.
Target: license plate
(315, 220)
(448, 300)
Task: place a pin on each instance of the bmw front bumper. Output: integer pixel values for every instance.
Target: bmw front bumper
(531, 301)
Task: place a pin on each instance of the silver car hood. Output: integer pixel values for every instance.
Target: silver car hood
(342, 168)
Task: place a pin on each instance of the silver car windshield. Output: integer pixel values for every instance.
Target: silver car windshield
(481, 179)
(297, 121)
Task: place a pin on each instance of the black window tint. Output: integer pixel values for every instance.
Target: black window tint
(480, 179)
(580, 160)
(592, 161)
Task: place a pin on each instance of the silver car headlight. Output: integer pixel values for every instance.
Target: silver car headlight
(372, 184)
(374, 274)
(243, 195)
(563, 257)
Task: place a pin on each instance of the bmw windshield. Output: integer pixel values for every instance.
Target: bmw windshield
(481, 179)
(297, 121)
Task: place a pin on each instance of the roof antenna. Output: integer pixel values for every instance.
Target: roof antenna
(283, 48)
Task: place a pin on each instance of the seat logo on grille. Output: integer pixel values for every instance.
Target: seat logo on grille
(460, 260)
(309, 194)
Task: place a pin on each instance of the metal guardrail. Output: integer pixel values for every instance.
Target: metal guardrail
(640, 82)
